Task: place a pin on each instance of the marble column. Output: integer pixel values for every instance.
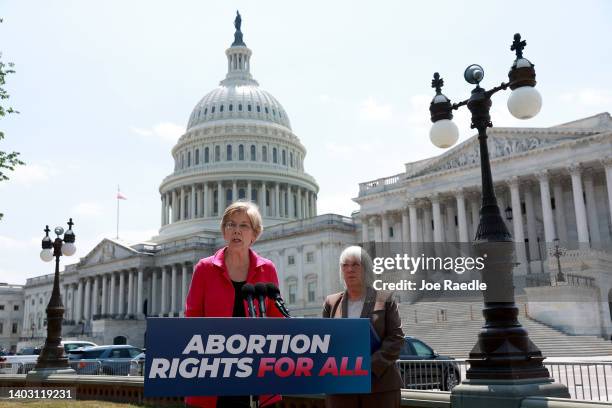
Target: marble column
(405, 225)
(175, 209)
(547, 214)
(607, 163)
(220, 199)
(234, 190)
(154, 310)
(181, 212)
(193, 202)
(412, 215)
(121, 293)
(104, 294)
(173, 290)
(111, 302)
(183, 297)
(560, 210)
(290, 202)
(87, 298)
(140, 291)
(206, 201)
(164, 291)
(298, 195)
(94, 300)
(531, 223)
(517, 222)
(249, 196)
(591, 206)
(427, 225)
(264, 211)
(364, 228)
(437, 218)
(461, 216)
(384, 225)
(163, 210)
(277, 200)
(130, 292)
(579, 208)
(451, 231)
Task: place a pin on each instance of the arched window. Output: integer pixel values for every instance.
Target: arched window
(241, 193)
(221, 108)
(264, 153)
(253, 153)
(284, 159)
(249, 107)
(205, 111)
(258, 108)
(228, 196)
(228, 153)
(291, 159)
(188, 159)
(274, 155)
(212, 110)
(240, 107)
(182, 160)
(266, 108)
(231, 107)
(254, 195)
(206, 154)
(217, 153)
(197, 156)
(240, 152)
(216, 202)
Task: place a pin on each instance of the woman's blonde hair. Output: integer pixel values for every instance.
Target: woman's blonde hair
(357, 252)
(250, 209)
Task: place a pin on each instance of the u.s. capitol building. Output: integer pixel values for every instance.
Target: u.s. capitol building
(239, 144)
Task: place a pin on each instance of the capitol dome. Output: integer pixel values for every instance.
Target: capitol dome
(238, 145)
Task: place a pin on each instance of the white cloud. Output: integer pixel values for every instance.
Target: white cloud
(588, 97)
(165, 131)
(88, 209)
(372, 110)
(30, 174)
(10, 244)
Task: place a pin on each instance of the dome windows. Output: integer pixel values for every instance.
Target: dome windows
(241, 152)
(253, 153)
(217, 153)
(258, 108)
(197, 157)
(212, 110)
(221, 108)
(231, 107)
(188, 159)
(228, 152)
(273, 112)
(274, 155)
(240, 107)
(249, 107)
(266, 109)
(206, 154)
(264, 153)
(205, 111)
(291, 159)
(284, 162)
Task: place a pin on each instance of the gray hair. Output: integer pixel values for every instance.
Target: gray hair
(357, 252)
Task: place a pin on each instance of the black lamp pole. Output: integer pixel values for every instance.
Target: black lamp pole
(52, 358)
(503, 350)
(558, 252)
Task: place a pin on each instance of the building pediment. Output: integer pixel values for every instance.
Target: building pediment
(502, 142)
(107, 251)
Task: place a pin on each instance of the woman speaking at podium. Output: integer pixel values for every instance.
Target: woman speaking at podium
(360, 299)
(216, 286)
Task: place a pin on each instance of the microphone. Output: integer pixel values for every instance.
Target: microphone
(260, 292)
(248, 291)
(274, 293)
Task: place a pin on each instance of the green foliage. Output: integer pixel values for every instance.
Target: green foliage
(8, 161)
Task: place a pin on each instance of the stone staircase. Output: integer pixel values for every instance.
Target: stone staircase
(454, 331)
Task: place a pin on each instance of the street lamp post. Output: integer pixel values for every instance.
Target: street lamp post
(52, 359)
(558, 252)
(505, 365)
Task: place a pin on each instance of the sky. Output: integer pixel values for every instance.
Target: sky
(104, 90)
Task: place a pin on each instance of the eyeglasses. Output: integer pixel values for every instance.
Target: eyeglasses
(231, 226)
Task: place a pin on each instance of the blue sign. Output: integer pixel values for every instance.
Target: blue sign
(248, 356)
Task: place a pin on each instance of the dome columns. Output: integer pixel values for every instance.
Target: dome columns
(209, 199)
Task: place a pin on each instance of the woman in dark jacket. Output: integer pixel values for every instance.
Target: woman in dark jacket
(361, 300)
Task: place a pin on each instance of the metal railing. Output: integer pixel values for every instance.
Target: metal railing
(585, 380)
(85, 367)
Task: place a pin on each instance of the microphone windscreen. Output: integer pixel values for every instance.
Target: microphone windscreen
(272, 290)
(260, 289)
(248, 290)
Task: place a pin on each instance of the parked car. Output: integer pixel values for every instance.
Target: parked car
(110, 360)
(137, 364)
(26, 358)
(427, 369)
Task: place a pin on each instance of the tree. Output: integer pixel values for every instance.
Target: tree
(8, 161)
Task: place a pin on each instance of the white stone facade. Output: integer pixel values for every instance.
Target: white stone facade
(11, 315)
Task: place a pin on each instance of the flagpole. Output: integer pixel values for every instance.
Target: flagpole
(117, 211)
